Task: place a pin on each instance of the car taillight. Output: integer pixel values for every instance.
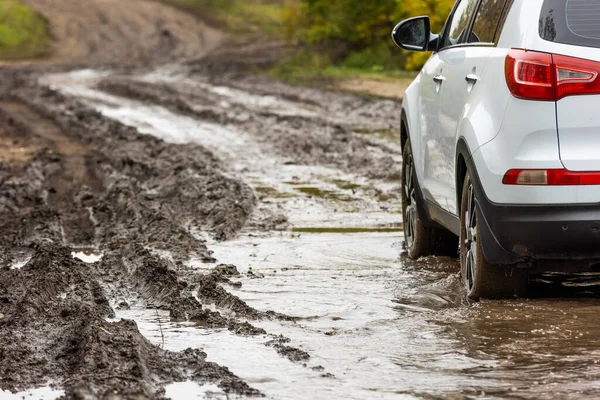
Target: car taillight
(550, 177)
(549, 77)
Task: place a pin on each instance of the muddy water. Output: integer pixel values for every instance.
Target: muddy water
(386, 326)
(379, 326)
(375, 324)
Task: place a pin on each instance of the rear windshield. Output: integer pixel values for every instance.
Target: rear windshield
(571, 22)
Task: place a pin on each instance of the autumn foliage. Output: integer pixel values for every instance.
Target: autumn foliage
(357, 31)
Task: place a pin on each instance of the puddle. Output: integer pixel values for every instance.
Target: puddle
(191, 390)
(87, 255)
(386, 327)
(247, 357)
(43, 393)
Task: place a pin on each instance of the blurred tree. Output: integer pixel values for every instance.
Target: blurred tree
(350, 27)
(357, 23)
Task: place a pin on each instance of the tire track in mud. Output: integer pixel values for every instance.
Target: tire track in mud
(53, 327)
(303, 128)
(93, 182)
(89, 181)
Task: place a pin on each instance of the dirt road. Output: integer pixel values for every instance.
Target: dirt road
(115, 32)
(191, 230)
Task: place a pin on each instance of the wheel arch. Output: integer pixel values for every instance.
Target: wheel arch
(403, 129)
(463, 156)
(493, 252)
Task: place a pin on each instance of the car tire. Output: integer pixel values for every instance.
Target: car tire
(420, 240)
(482, 279)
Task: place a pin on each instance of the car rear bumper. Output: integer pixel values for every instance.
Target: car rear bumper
(526, 233)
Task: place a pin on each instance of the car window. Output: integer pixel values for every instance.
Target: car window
(486, 21)
(456, 27)
(577, 22)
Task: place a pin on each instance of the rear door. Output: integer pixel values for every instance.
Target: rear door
(574, 27)
(469, 43)
(435, 146)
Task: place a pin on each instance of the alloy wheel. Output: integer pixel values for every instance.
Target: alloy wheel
(471, 238)
(410, 215)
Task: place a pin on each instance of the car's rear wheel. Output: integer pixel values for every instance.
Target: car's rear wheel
(482, 279)
(420, 240)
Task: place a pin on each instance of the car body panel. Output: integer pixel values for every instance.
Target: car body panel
(578, 120)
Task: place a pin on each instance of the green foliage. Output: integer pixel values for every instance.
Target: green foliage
(357, 23)
(356, 33)
(23, 33)
(377, 58)
(310, 66)
(437, 10)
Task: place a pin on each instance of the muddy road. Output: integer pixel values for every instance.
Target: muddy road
(191, 230)
(172, 232)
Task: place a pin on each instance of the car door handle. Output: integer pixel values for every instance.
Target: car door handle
(472, 78)
(439, 79)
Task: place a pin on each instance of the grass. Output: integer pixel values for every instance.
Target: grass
(238, 16)
(23, 33)
(267, 192)
(310, 65)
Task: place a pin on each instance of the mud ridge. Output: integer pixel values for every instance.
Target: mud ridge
(211, 291)
(53, 326)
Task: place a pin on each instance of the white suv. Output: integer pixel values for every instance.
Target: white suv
(501, 139)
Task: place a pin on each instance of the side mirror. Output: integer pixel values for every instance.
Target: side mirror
(413, 34)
